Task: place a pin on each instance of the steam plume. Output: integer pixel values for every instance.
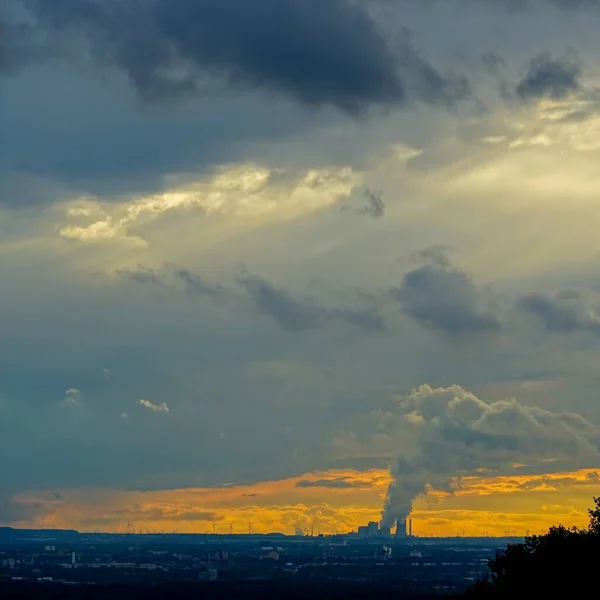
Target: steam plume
(456, 434)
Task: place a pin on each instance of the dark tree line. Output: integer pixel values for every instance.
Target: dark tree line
(563, 561)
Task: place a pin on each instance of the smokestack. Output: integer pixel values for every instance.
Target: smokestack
(410, 527)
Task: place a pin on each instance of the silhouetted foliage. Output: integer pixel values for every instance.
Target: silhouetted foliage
(562, 561)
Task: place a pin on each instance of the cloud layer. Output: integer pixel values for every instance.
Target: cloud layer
(317, 53)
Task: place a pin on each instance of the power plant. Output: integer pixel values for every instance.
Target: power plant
(404, 530)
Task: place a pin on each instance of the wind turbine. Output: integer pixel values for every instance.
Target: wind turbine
(231, 527)
(250, 527)
(214, 528)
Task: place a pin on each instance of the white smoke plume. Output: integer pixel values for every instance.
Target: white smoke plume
(454, 434)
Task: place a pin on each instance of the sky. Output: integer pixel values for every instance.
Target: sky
(305, 263)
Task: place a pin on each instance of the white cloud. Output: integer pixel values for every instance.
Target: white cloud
(248, 192)
(162, 407)
(73, 396)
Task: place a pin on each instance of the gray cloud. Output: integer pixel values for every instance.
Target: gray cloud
(196, 285)
(340, 483)
(564, 311)
(332, 53)
(140, 275)
(374, 205)
(440, 296)
(138, 513)
(13, 511)
(320, 53)
(443, 434)
(171, 274)
(553, 483)
(300, 314)
(549, 77)
(289, 312)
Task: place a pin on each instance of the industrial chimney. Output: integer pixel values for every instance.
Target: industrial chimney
(410, 528)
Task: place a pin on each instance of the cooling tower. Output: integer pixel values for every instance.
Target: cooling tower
(400, 529)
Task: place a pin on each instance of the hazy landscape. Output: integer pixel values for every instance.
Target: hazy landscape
(301, 295)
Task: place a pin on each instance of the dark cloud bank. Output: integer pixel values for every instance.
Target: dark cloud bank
(320, 53)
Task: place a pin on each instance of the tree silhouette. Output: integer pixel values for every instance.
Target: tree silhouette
(565, 560)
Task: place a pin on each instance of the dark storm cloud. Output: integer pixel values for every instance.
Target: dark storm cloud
(549, 77)
(564, 311)
(440, 296)
(321, 53)
(301, 314)
(339, 483)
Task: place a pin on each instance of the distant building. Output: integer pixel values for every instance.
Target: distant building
(363, 531)
(372, 528)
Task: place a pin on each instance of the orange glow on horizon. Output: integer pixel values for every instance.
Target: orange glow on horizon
(329, 502)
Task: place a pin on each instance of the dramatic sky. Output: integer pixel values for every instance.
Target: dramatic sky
(261, 259)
